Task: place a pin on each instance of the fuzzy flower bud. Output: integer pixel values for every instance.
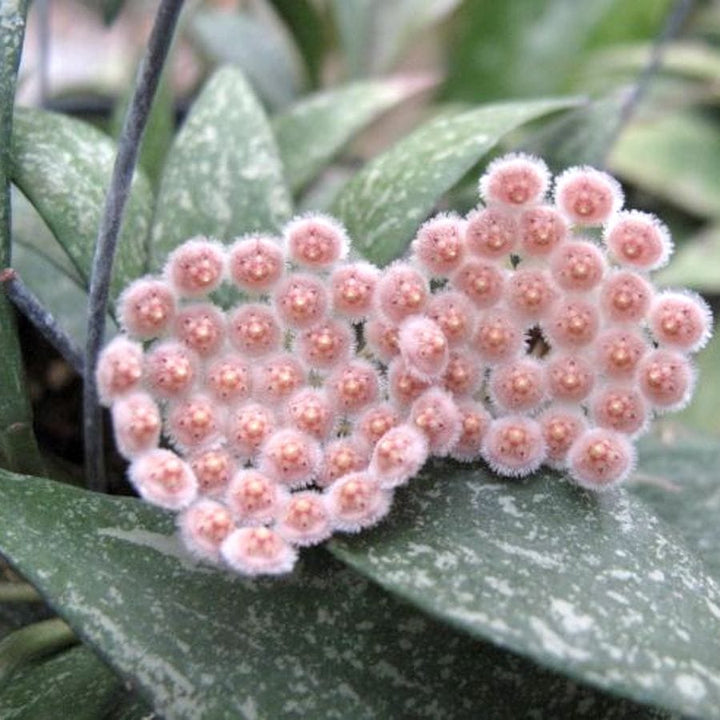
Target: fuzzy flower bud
(196, 268)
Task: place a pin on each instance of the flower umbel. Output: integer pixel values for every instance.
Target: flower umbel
(511, 336)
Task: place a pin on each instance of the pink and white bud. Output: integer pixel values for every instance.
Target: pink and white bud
(454, 314)
(618, 352)
(325, 345)
(531, 294)
(573, 323)
(375, 422)
(170, 370)
(514, 446)
(481, 281)
(196, 267)
(301, 300)
(352, 289)
(137, 423)
(423, 346)
(561, 427)
(404, 387)
(147, 308)
(277, 378)
(228, 379)
(201, 327)
(578, 266)
(439, 246)
(357, 501)
(163, 479)
(213, 469)
(463, 374)
(256, 263)
(625, 297)
(401, 291)
(258, 551)
(248, 427)
(680, 320)
(342, 457)
(437, 416)
(309, 410)
(353, 386)
(254, 330)
(569, 378)
(474, 422)
(398, 456)
(587, 196)
(290, 457)
(542, 229)
(516, 181)
(254, 498)
(638, 240)
(497, 338)
(119, 369)
(315, 241)
(383, 339)
(204, 526)
(491, 233)
(666, 379)
(620, 408)
(518, 386)
(195, 422)
(304, 519)
(600, 459)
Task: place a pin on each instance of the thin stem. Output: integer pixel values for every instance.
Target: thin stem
(18, 592)
(32, 642)
(108, 233)
(674, 22)
(42, 319)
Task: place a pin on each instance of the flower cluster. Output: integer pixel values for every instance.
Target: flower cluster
(525, 333)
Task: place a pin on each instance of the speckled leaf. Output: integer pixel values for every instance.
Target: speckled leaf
(596, 587)
(676, 156)
(695, 262)
(63, 167)
(17, 441)
(74, 684)
(384, 204)
(321, 643)
(313, 130)
(678, 478)
(222, 176)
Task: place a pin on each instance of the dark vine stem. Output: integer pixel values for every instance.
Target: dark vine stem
(673, 24)
(43, 320)
(108, 233)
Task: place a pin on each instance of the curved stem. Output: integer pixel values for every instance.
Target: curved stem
(18, 592)
(108, 233)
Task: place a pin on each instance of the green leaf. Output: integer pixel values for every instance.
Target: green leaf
(678, 479)
(63, 167)
(311, 132)
(530, 48)
(307, 26)
(675, 156)
(374, 33)
(321, 643)
(17, 441)
(74, 684)
(383, 205)
(591, 586)
(222, 176)
(695, 262)
(258, 47)
(702, 413)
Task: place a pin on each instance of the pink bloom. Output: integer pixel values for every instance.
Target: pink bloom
(352, 289)
(587, 196)
(542, 229)
(119, 369)
(258, 551)
(353, 386)
(600, 459)
(515, 180)
(680, 320)
(618, 352)
(440, 245)
(170, 369)
(304, 519)
(357, 501)
(341, 457)
(201, 327)
(254, 329)
(453, 314)
(638, 240)
(163, 479)
(248, 427)
(196, 267)
(620, 408)
(325, 345)
(436, 415)
(491, 233)
(213, 469)
(560, 427)
(301, 300)
(574, 323)
(474, 422)
(204, 526)
(666, 379)
(256, 263)
(497, 337)
(254, 498)
(309, 410)
(625, 297)
(569, 378)
(531, 294)
(277, 378)
(514, 446)
(481, 281)
(228, 379)
(517, 386)
(194, 422)
(578, 266)
(375, 422)
(383, 339)
(315, 241)
(463, 374)
(137, 423)
(401, 291)
(147, 308)
(398, 456)
(290, 457)
(424, 347)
